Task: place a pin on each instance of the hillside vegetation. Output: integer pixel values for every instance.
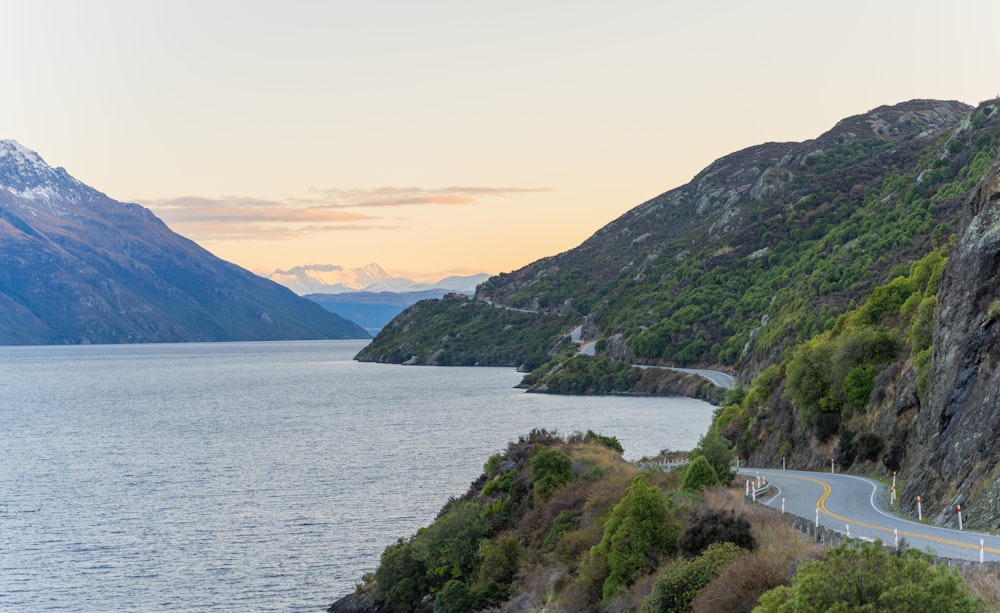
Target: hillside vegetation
(765, 248)
(565, 525)
(850, 281)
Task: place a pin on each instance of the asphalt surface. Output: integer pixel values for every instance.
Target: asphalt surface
(719, 379)
(847, 502)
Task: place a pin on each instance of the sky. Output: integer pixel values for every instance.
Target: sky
(448, 137)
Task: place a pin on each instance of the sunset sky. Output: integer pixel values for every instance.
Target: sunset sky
(442, 137)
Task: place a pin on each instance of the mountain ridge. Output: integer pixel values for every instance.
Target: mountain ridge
(335, 279)
(849, 281)
(764, 247)
(83, 268)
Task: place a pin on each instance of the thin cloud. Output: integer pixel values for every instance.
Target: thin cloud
(338, 198)
(238, 218)
(322, 210)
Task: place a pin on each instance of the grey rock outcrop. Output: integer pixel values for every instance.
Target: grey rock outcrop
(954, 443)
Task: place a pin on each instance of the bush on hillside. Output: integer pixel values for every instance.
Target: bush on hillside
(859, 576)
(710, 526)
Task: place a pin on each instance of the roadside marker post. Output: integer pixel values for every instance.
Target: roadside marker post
(817, 517)
(895, 537)
(959, 517)
(782, 463)
(920, 511)
(848, 530)
(782, 506)
(832, 470)
(894, 480)
(893, 498)
(981, 551)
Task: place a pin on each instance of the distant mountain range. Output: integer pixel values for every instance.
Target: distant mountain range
(80, 267)
(370, 295)
(331, 279)
(374, 310)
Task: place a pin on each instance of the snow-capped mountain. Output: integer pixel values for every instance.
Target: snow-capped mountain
(25, 174)
(79, 267)
(332, 279)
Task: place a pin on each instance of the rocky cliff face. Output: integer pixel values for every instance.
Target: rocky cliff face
(955, 457)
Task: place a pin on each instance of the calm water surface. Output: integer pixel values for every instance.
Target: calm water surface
(251, 476)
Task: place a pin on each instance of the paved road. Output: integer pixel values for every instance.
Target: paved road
(847, 500)
(719, 379)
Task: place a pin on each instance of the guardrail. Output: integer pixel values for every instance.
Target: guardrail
(668, 465)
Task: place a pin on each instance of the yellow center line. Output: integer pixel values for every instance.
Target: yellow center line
(827, 490)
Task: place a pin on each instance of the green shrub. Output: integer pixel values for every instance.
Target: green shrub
(716, 450)
(859, 576)
(455, 597)
(699, 475)
(401, 578)
(499, 561)
(639, 533)
(550, 470)
(564, 522)
(449, 546)
(678, 584)
(610, 442)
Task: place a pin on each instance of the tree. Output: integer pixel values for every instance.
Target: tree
(449, 547)
(550, 470)
(715, 449)
(859, 576)
(400, 580)
(639, 533)
(699, 475)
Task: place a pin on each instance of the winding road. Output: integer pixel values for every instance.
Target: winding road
(848, 501)
(715, 377)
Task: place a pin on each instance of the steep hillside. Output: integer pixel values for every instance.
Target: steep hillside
(565, 525)
(764, 248)
(955, 455)
(905, 383)
(79, 267)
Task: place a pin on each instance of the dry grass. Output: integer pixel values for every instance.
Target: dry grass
(780, 549)
(776, 538)
(739, 584)
(983, 581)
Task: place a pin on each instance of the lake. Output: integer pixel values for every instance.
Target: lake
(252, 476)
